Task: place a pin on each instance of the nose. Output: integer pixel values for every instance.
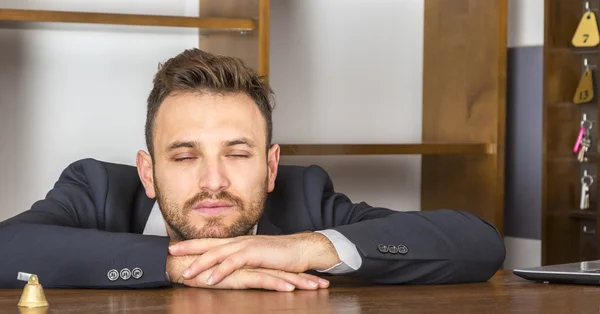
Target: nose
(213, 177)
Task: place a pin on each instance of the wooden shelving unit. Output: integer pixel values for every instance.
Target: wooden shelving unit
(463, 101)
(223, 24)
(568, 232)
(389, 149)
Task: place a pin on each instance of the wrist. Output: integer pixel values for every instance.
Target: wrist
(174, 270)
(320, 252)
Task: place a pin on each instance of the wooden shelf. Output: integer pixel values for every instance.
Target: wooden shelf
(573, 50)
(388, 149)
(582, 50)
(209, 23)
(555, 158)
(583, 214)
(567, 105)
(576, 214)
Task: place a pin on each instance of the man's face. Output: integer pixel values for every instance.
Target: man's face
(211, 171)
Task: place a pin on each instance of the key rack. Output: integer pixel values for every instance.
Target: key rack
(571, 47)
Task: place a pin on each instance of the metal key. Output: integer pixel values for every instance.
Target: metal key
(586, 143)
(584, 198)
(586, 182)
(587, 200)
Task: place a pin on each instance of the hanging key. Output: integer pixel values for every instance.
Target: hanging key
(585, 192)
(584, 195)
(586, 183)
(586, 143)
(587, 199)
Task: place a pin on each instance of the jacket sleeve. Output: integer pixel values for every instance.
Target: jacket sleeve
(62, 240)
(418, 247)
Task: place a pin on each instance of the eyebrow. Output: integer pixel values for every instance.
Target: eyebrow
(240, 141)
(196, 144)
(186, 144)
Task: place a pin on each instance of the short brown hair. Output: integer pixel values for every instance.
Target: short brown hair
(195, 70)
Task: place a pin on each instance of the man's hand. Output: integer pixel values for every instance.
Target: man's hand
(290, 253)
(247, 278)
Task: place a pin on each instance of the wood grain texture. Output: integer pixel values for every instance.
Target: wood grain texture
(563, 236)
(561, 20)
(563, 186)
(389, 149)
(464, 99)
(504, 293)
(264, 35)
(252, 47)
(588, 245)
(204, 23)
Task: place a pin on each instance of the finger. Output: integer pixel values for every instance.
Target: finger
(245, 279)
(257, 259)
(298, 280)
(197, 246)
(210, 259)
(230, 264)
(250, 279)
(323, 283)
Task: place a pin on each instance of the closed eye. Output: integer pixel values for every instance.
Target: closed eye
(239, 156)
(183, 159)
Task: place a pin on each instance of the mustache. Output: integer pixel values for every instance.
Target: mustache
(221, 196)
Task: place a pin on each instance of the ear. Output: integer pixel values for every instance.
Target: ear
(272, 165)
(144, 168)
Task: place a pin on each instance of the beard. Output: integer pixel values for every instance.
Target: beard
(176, 216)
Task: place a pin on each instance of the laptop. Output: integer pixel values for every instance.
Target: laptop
(587, 272)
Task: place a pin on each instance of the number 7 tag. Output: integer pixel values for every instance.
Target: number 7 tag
(586, 34)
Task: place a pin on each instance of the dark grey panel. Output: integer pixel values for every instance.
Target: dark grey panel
(523, 195)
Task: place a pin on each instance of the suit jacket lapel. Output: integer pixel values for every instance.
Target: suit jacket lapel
(267, 227)
(265, 224)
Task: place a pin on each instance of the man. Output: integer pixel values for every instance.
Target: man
(226, 214)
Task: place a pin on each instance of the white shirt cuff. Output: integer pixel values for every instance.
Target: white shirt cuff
(350, 260)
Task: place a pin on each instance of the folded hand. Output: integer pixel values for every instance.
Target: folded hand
(245, 278)
(290, 253)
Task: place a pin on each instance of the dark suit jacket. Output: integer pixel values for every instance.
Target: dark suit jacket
(92, 222)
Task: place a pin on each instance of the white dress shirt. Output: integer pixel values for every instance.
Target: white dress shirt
(349, 258)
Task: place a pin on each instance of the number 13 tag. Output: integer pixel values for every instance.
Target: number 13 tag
(585, 89)
(586, 34)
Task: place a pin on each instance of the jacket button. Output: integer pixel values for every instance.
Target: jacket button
(113, 275)
(392, 249)
(137, 273)
(382, 248)
(125, 273)
(402, 249)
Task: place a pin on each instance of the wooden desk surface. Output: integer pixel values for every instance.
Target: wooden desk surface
(505, 293)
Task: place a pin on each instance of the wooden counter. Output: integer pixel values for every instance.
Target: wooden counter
(505, 293)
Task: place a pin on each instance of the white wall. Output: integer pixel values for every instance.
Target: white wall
(74, 91)
(337, 81)
(525, 23)
(521, 253)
